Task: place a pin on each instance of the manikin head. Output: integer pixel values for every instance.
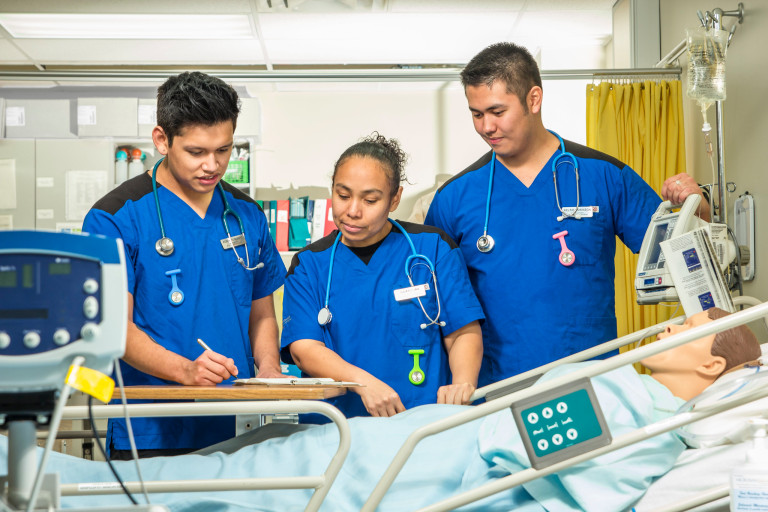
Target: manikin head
(688, 369)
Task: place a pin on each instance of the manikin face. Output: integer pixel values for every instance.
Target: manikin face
(198, 158)
(499, 117)
(362, 201)
(685, 357)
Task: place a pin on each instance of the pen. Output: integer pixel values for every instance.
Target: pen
(202, 344)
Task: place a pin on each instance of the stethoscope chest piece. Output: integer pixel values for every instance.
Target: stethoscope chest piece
(164, 246)
(324, 316)
(485, 243)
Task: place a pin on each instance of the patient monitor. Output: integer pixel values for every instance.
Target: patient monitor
(62, 296)
(653, 280)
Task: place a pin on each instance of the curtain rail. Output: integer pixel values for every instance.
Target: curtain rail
(330, 75)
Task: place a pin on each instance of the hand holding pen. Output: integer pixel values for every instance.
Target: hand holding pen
(215, 367)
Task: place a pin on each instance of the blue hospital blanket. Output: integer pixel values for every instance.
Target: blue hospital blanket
(442, 465)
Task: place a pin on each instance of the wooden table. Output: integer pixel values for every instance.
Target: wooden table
(230, 392)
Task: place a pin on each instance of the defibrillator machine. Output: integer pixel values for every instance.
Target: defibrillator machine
(653, 280)
(63, 304)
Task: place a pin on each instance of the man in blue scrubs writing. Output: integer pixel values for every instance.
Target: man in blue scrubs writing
(383, 303)
(541, 250)
(215, 284)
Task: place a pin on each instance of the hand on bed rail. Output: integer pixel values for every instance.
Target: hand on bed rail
(378, 398)
(457, 394)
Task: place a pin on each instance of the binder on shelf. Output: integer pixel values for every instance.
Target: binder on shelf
(329, 224)
(281, 224)
(318, 219)
(273, 220)
(298, 235)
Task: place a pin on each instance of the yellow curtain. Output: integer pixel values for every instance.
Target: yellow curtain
(641, 124)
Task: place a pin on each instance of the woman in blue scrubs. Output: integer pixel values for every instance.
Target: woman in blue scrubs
(406, 341)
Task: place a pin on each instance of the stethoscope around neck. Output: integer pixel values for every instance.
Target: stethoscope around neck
(486, 243)
(324, 316)
(165, 246)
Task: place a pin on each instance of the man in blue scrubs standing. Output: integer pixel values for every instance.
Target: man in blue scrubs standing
(205, 288)
(553, 270)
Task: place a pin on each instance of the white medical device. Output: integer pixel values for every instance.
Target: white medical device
(653, 281)
(744, 226)
(62, 296)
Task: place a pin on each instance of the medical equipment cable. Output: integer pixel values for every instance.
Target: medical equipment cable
(129, 428)
(104, 453)
(53, 430)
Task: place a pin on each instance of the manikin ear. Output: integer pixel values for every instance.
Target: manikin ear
(712, 368)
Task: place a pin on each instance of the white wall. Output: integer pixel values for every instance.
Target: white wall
(304, 132)
(745, 113)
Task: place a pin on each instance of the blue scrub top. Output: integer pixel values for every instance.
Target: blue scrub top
(370, 329)
(538, 310)
(217, 292)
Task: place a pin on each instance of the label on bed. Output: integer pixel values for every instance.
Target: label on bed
(97, 486)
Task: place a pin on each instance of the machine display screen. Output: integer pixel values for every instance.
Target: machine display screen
(9, 279)
(59, 269)
(659, 235)
(19, 314)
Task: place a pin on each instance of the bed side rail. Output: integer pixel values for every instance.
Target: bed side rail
(321, 483)
(600, 367)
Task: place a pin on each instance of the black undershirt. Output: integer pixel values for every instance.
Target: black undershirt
(366, 253)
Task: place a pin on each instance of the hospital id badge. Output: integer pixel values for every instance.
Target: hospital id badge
(582, 211)
(236, 241)
(412, 292)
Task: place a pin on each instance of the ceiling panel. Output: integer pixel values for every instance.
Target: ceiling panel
(140, 52)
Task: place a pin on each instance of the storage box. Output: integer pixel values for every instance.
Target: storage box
(237, 172)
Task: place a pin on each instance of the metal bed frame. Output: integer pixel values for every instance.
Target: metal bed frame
(322, 483)
(498, 404)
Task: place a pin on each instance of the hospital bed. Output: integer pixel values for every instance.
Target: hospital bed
(672, 487)
(321, 486)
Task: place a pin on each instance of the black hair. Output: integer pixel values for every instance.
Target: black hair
(195, 98)
(385, 151)
(504, 62)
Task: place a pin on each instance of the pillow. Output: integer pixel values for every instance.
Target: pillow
(729, 426)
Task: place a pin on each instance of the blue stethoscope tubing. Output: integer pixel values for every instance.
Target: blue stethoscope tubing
(324, 316)
(486, 243)
(165, 246)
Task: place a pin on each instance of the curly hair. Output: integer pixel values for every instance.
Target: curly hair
(385, 151)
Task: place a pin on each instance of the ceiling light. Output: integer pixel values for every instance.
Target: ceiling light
(127, 26)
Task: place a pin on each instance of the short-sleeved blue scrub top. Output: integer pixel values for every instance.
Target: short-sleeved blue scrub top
(217, 292)
(538, 310)
(369, 328)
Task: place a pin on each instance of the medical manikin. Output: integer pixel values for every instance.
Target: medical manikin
(481, 451)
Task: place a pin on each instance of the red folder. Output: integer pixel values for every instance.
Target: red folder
(329, 225)
(281, 241)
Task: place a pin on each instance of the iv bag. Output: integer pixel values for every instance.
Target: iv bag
(706, 64)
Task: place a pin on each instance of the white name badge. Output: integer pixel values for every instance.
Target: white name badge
(584, 211)
(411, 292)
(236, 240)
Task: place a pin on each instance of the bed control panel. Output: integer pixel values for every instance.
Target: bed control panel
(561, 423)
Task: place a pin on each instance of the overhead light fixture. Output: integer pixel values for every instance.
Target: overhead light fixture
(127, 26)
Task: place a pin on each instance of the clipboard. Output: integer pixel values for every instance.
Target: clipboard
(293, 381)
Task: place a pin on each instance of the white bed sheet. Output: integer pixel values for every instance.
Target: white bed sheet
(697, 470)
